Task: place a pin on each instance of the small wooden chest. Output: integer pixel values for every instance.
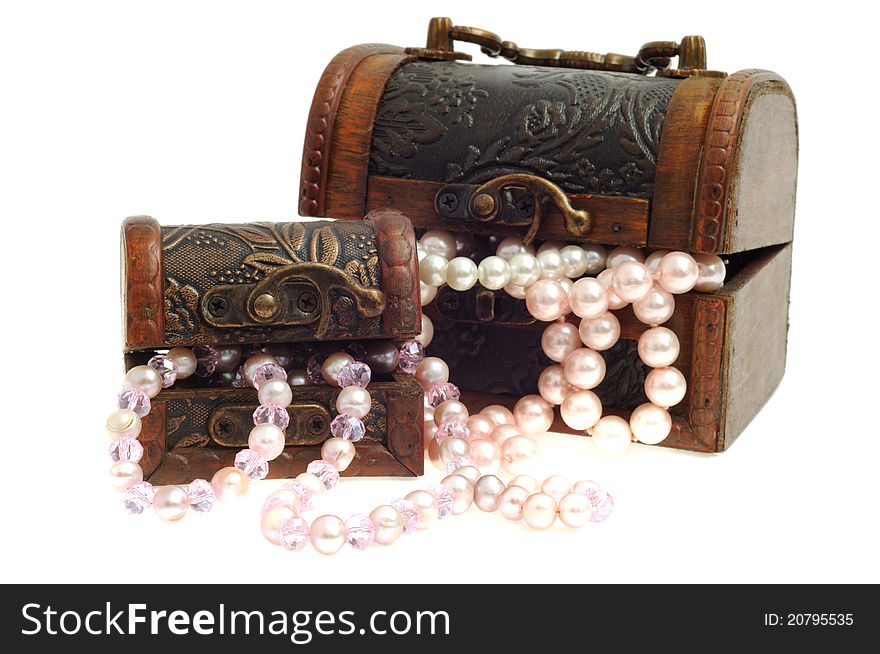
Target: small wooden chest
(293, 289)
(580, 148)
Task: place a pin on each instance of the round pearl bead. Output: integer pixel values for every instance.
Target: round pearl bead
(533, 414)
(612, 435)
(678, 272)
(623, 253)
(581, 410)
(574, 261)
(450, 410)
(652, 262)
(427, 334)
(503, 432)
(185, 361)
(600, 333)
(596, 258)
(559, 340)
(631, 281)
(479, 426)
(432, 370)
(551, 246)
(551, 264)
(556, 487)
(436, 241)
(287, 496)
(298, 377)
(584, 368)
(650, 424)
(426, 293)
(485, 454)
(605, 278)
(253, 362)
(527, 482)
(427, 507)
(553, 386)
(658, 347)
(588, 298)
(312, 483)
(575, 510)
(518, 292)
(327, 534)
(498, 414)
(229, 484)
(275, 391)
(511, 501)
(493, 273)
(524, 269)
(123, 422)
(487, 492)
(382, 357)
(338, 452)
(144, 378)
(468, 472)
(665, 386)
(170, 503)
(462, 492)
(354, 401)
(124, 474)
(273, 520)
(434, 455)
(432, 270)
(712, 273)
(517, 453)
(656, 307)
(461, 274)
(267, 440)
(228, 358)
(539, 511)
(547, 300)
(452, 448)
(333, 365)
(512, 245)
(387, 523)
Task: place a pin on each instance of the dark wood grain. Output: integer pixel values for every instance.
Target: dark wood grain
(142, 283)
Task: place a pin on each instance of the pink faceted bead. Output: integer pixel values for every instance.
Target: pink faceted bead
(452, 429)
(411, 355)
(266, 372)
(134, 399)
(324, 471)
(459, 462)
(439, 393)
(295, 534)
(603, 503)
(272, 414)
(347, 427)
(201, 495)
(125, 448)
(354, 374)
(359, 531)
(252, 464)
(166, 368)
(314, 371)
(138, 497)
(445, 500)
(410, 514)
(239, 380)
(303, 492)
(207, 358)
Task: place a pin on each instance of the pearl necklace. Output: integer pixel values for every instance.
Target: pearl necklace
(544, 280)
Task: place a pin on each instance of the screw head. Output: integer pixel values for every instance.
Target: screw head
(525, 206)
(483, 204)
(224, 427)
(317, 424)
(307, 302)
(448, 201)
(265, 306)
(217, 306)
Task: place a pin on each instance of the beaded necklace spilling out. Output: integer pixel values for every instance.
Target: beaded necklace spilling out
(473, 450)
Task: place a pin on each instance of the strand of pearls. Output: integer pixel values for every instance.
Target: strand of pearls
(265, 441)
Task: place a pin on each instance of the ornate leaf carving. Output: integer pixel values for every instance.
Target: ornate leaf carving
(193, 440)
(266, 262)
(294, 233)
(252, 235)
(324, 247)
(173, 423)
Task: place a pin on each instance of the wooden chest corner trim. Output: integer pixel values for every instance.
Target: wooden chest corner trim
(720, 156)
(400, 272)
(320, 133)
(705, 386)
(404, 422)
(142, 283)
(153, 437)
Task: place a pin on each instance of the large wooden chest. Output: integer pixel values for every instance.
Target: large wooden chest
(296, 290)
(582, 148)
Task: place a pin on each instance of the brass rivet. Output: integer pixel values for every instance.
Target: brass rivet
(483, 204)
(265, 305)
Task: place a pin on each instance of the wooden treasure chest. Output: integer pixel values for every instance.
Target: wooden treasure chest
(298, 291)
(654, 151)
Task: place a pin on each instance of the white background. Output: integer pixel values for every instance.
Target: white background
(195, 112)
